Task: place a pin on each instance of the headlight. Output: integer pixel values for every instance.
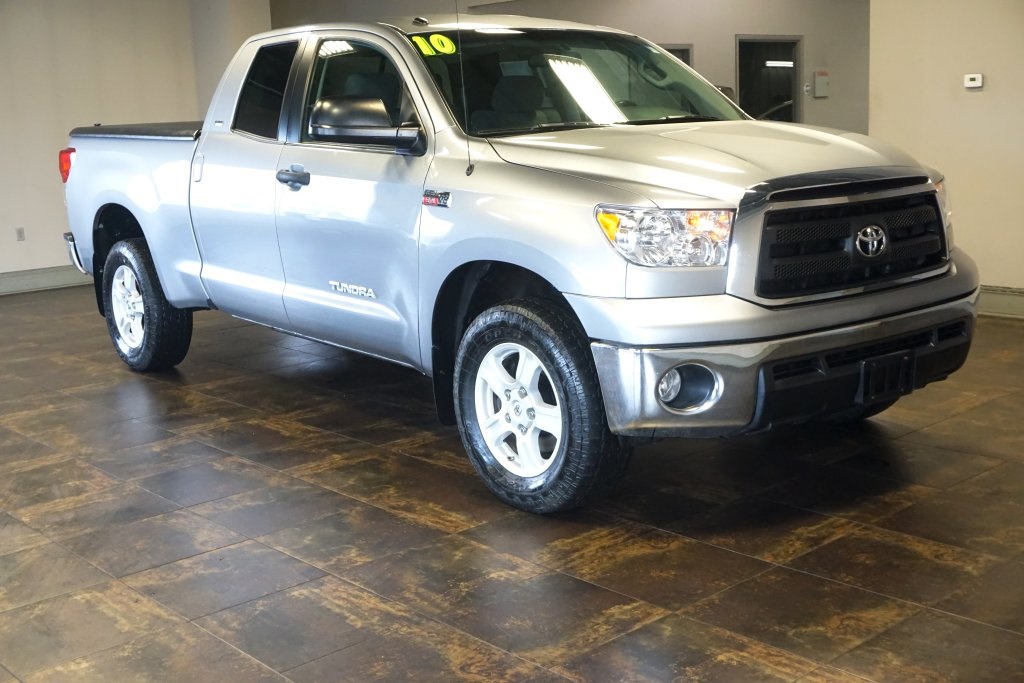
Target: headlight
(655, 237)
(947, 211)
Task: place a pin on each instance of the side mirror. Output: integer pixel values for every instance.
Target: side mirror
(362, 121)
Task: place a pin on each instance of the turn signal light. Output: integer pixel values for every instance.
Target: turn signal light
(64, 161)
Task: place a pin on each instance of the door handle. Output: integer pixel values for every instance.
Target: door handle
(294, 177)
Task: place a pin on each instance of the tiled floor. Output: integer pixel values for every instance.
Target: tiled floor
(279, 510)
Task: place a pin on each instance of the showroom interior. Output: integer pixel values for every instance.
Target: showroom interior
(278, 509)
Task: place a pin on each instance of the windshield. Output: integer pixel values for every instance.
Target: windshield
(536, 79)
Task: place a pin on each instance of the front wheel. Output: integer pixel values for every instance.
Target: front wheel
(148, 332)
(530, 411)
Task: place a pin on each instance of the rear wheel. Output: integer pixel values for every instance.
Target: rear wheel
(148, 333)
(530, 411)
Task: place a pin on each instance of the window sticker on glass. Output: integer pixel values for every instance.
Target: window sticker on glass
(435, 44)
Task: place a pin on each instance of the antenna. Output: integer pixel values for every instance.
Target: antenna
(462, 80)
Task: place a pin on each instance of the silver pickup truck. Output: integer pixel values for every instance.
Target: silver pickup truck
(580, 240)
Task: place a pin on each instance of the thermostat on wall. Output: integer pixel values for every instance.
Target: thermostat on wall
(974, 80)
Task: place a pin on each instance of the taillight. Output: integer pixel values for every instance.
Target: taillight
(65, 159)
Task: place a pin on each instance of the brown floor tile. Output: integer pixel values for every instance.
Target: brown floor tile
(122, 549)
(210, 480)
(650, 503)
(301, 624)
(46, 479)
(894, 564)
(440, 578)
(265, 510)
(179, 410)
(917, 464)
(390, 643)
(16, 536)
(440, 445)
(551, 540)
(550, 617)
(417, 491)
(984, 524)
(937, 478)
(254, 436)
(841, 492)
(996, 597)
(662, 568)
(1005, 482)
(828, 674)
(221, 578)
(770, 531)
(939, 647)
(61, 629)
(154, 458)
(77, 515)
(322, 451)
(16, 447)
(938, 402)
(992, 429)
(677, 648)
(812, 617)
(264, 392)
(354, 534)
(139, 396)
(80, 427)
(728, 470)
(182, 653)
(374, 423)
(43, 572)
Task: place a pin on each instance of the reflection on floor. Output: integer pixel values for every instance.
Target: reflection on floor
(280, 510)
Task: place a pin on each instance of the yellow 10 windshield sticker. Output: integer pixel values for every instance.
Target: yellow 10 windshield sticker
(436, 44)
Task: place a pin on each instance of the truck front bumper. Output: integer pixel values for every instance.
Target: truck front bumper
(750, 386)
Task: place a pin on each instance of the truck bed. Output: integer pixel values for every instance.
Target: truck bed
(173, 130)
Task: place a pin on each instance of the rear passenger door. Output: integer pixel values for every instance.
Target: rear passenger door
(350, 237)
(233, 185)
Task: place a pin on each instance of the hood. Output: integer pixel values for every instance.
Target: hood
(718, 160)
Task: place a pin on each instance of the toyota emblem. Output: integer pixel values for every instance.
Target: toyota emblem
(871, 241)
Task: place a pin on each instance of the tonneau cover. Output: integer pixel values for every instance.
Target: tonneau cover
(174, 130)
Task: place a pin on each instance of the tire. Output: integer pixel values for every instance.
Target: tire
(148, 333)
(858, 413)
(529, 409)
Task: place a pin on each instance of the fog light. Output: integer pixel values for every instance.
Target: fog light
(669, 386)
(690, 388)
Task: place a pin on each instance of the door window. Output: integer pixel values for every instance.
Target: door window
(346, 68)
(259, 103)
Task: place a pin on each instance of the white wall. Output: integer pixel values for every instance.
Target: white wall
(218, 29)
(300, 12)
(67, 63)
(920, 50)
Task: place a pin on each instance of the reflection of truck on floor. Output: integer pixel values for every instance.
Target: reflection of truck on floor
(579, 239)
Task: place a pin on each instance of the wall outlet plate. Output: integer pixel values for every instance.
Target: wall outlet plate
(19, 234)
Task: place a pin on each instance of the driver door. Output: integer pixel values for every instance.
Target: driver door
(349, 238)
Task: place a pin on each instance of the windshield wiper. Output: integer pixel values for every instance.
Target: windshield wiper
(689, 118)
(541, 127)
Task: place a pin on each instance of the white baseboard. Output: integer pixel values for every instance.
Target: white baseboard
(41, 278)
(1007, 302)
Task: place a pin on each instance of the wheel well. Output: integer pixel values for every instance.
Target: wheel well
(466, 293)
(113, 223)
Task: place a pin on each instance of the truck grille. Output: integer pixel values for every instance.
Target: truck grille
(814, 250)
